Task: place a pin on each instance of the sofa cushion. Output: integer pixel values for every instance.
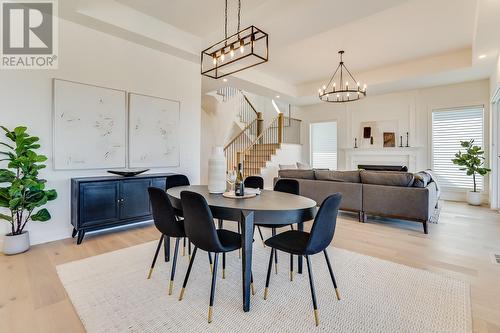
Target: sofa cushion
(338, 176)
(388, 178)
(297, 174)
(287, 166)
(303, 166)
(422, 178)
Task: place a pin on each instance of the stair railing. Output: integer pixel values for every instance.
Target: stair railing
(256, 155)
(240, 142)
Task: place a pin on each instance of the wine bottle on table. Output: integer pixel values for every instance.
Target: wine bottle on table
(239, 187)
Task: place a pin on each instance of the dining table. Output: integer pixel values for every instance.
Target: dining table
(267, 208)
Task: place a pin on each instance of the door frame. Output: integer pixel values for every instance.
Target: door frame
(495, 151)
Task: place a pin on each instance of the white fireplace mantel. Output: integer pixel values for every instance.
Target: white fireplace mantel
(382, 156)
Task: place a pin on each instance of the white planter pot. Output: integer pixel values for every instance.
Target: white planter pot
(217, 171)
(14, 244)
(474, 198)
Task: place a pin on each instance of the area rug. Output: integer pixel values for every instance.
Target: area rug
(110, 293)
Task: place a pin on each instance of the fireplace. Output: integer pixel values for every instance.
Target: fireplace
(378, 167)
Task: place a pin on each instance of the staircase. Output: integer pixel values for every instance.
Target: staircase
(255, 145)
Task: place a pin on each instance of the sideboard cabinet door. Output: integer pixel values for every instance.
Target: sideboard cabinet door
(134, 198)
(99, 203)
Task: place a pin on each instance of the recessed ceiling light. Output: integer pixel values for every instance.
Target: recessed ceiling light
(277, 96)
(482, 56)
(225, 80)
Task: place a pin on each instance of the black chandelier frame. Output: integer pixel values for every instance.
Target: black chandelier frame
(250, 38)
(344, 94)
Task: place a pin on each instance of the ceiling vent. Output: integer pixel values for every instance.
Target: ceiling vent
(495, 258)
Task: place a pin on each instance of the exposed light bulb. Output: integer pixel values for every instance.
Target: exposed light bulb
(222, 57)
(214, 60)
(324, 87)
(364, 87)
(242, 46)
(319, 90)
(232, 52)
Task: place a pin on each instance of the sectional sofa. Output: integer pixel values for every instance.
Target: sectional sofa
(402, 195)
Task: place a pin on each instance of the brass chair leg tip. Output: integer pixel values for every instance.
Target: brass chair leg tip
(209, 314)
(252, 288)
(316, 317)
(181, 296)
(150, 273)
(291, 275)
(224, 273)
(265, 293)
(170, 287)
(337, 292)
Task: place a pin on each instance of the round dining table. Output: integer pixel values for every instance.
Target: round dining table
(268, 208)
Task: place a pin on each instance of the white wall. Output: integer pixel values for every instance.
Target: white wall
(411, 110)
(92, 57)
(288, 154)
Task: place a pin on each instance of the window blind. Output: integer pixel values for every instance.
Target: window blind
(449, 127)
(324, 145)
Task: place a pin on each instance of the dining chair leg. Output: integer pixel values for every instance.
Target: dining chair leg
(210, 261)
(313, 293)
(223, 265)
(187, 274)
(261, 237)
(221, 223)
(174, 264)
(331, 274)
(291, 227)
(166, 241)
(189, 249)
(251, 284)
(268, 277)
(183, 246)
(212, 289)
(291, 267)
(275, 253)
(155, 257)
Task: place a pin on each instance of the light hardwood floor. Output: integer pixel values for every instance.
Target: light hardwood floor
(32, 298)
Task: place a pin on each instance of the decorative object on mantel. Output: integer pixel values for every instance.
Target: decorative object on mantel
(245, 49)
(371, 140)
(389, 139)
(407, 137)
(367, 132)
(25, 192)
(472, 162)
(128, 172)
(217, 171)
(400, 141)
(341, 93)
(355, 142)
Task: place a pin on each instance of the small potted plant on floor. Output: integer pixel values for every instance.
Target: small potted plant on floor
(471, 161)
(25, 193)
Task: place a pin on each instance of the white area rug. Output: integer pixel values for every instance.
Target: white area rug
(110, 292)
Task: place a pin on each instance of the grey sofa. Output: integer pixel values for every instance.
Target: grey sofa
(400, 195)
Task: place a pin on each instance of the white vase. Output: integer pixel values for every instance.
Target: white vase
(217, 171)
(14, 244)
(474, 198)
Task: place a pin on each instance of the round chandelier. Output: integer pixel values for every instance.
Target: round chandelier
(342, 87)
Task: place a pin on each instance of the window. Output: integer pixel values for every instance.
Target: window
(324, 145)
(449, 127)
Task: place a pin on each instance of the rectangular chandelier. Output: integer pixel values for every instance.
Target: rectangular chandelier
(246, 48)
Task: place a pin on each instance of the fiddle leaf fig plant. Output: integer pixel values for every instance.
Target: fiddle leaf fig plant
(471, 161)
(25, 193)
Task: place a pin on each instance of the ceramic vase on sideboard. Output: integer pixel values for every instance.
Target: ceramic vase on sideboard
(217, 171)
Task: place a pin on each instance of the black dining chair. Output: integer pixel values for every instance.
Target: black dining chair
(287, 186)
(175, 181)
(200, 229)
(307, 244)
(168, 224)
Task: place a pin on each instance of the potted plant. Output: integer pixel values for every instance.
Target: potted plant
(471, 161)
(25, 193)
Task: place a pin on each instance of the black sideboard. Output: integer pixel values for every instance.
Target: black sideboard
(110, 201)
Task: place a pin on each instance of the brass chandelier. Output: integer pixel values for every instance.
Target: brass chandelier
(246, 48)
(343, 87)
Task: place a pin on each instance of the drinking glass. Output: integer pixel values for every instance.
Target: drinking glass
(231, 179)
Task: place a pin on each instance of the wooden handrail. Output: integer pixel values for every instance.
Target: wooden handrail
(248, 101)
(240, 133)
